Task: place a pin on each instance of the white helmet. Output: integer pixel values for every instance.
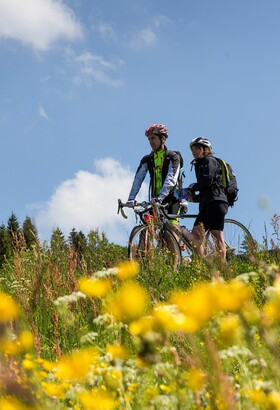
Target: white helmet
(201, 141)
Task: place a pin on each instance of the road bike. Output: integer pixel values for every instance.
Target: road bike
(155, 233)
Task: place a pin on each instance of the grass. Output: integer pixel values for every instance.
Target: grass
(100, 333)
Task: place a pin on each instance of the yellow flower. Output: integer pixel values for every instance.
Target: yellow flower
(28, 364)
(141, 326)
(196, 304)
(47, 365)
(168, 317)
(26, 340)
(10, 347)
(273, 400)
(94, 287)
(195, 379)
(13, 404)
(257, 396)
(231, 296)
(96, 401)
(9, 309)
(127, 270)
(117, 351)
(77, 364)
(230, 329)
(55, 389)
(165, 388)
(129, 302)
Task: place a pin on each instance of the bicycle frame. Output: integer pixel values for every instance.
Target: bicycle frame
(238, 241)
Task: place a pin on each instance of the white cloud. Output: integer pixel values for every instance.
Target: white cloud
(106, 31)
(161, 21)
(89, 201)
(39, 23)
(95, 68)
(42, 112)
(143, 38)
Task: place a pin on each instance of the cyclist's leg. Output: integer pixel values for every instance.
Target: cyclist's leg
(218, 237)
(173, 208)
(215, 224)
(197, 237)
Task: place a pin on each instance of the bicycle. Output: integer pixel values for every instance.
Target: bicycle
(155, 234)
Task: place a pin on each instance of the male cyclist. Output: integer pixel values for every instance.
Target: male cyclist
(163, 166)
(213, 203)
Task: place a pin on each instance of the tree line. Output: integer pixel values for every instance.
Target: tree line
(93, 251)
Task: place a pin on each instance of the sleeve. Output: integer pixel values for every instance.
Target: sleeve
(171, 178)
(205, 174)
(138, 179)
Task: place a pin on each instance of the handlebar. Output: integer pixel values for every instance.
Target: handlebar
(121, 205)
(141, 208)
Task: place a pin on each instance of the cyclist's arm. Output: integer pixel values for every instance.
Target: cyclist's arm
(138, 180)
(205, 175)
(171, 177)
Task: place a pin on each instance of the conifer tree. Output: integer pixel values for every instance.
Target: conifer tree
(14, 231)
(29, 232)
(58, 242)
(6, 247)
(78, 241)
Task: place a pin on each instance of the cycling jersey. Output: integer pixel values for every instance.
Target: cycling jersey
(169, 175)
(209, 183)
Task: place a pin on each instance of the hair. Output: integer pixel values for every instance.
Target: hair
(206, 150)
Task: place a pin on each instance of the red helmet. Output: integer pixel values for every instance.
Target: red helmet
(157, 129)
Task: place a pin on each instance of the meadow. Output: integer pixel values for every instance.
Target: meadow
(96, 332)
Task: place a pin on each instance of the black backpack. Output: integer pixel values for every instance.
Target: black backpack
(229, 181)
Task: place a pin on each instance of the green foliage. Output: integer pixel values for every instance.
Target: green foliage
(164, 369)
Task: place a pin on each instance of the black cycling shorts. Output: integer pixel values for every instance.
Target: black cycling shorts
(212, 216)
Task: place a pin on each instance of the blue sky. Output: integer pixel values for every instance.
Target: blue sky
(82, 79)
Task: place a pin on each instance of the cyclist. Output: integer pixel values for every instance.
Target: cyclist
(209, 192)
(163, 166)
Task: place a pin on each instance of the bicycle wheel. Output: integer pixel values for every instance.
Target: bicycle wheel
(238, 239)
(146, 245)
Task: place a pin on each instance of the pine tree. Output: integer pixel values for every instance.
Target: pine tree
(14, 231)
(58, 242)
(6, 247)
(29, 232)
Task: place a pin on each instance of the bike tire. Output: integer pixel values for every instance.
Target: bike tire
(238, 239)
(145, 246)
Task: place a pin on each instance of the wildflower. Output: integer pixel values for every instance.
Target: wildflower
(231, 296)
(9, 309)
(55, 389)
(195, 379)
(230, 329)
(141, 326)
(28, 363)
(47, 365)
(132, 387)
(272, 307)
(129, 302)
(127, 270)
(117, 351)
(13, 404)
(26, 340)
(10, 347)
(96, 401)
(76, 365)
(165, 388)
(169, 318)
(257, 396)
(273, 400)
(94, 287)
(195, 304)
